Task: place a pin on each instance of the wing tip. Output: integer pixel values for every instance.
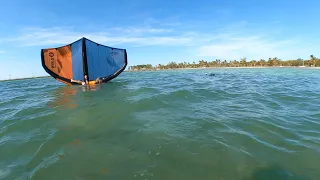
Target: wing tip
(51, 73)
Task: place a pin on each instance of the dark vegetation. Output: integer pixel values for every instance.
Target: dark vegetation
(271, 62)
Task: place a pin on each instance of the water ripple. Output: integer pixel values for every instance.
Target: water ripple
(164, 125)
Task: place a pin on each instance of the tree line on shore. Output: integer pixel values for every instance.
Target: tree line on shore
(271, 62)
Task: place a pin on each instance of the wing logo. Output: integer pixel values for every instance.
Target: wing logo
(110, 60)
(52, 62)
(113, 53)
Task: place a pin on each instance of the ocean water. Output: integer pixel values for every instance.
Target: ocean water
(240, 124)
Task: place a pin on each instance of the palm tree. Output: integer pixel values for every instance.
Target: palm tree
(254, 62)
(313, 60)
(243, 61)
(262, 62)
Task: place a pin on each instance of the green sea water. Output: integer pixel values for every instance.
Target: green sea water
(240, 124)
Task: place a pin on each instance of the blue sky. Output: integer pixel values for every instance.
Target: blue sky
(158, 31)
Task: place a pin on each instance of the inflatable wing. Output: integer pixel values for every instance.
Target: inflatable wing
(83, 57)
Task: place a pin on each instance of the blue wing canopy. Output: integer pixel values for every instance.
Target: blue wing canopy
(103, 61)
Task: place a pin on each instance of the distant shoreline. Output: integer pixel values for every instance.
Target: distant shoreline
(248, 67)
(15, 79)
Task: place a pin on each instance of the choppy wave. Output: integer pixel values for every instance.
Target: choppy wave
(238, 124)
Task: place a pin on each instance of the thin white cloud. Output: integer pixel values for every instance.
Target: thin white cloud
(238, 40)
(2, 51)
(237, 47)
(139, 31)
(172, 21)
(115, 36)
(253, 47)
(230, 42)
